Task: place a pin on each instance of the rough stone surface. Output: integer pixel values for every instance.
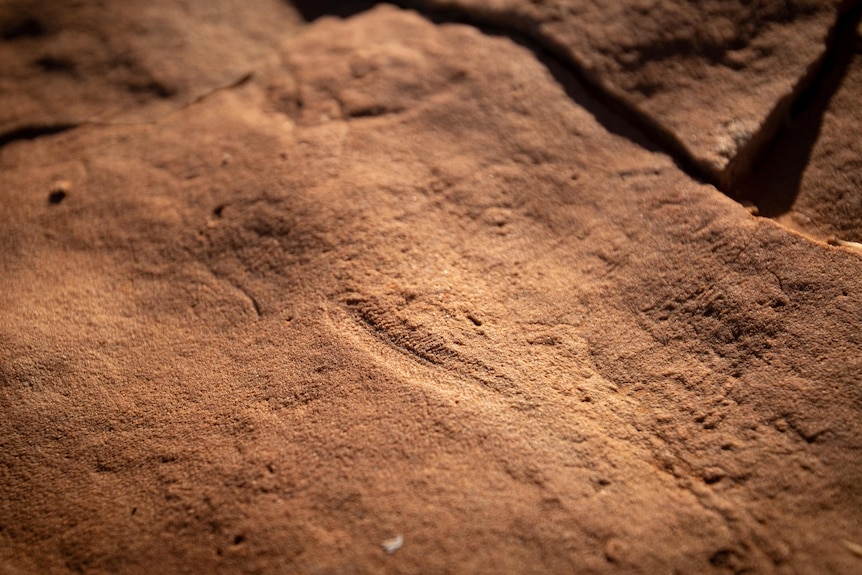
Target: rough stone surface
(811, 180)
(64, 63)
(716, 76)
(409, 281)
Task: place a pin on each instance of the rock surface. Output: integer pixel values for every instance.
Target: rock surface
(411, 284)
(62, 64)
(821, 194)
(714, 78)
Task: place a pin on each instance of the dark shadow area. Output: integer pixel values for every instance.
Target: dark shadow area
(314, 9)
(33, 132)
(618, 118)
(774, 183)
(24, 28)
(614, 115)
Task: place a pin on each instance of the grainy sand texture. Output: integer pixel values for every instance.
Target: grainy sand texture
(442, 287)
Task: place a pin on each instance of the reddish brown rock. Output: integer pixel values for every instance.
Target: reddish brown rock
(811, 179)
(62, 64)
(715, 78)
(404, 283)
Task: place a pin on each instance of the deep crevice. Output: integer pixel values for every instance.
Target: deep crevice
(752, 155)
(585, 89)
(767, 173)
(25, 28)
(839, 46)
(774, 182)
(611, 112)
(33, 132)
(624, 119)
(313, 9)
(614, 115)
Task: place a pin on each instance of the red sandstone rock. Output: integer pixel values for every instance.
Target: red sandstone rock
(405, 282)
(811, 180)
(66, 63)
(716, 78)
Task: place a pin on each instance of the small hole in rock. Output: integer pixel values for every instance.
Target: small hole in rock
(52, 64)
(238, 539)
(27, 28)
(721, 558)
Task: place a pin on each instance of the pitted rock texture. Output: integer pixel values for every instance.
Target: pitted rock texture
(715, 77)
(410, 280)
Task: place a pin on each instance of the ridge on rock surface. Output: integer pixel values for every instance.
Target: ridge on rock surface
(409, 284)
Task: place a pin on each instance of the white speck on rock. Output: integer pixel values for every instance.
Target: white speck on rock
(393, 545)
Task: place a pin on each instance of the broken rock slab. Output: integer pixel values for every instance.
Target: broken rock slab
(714, 80)
(404, 282)
(811, 178)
